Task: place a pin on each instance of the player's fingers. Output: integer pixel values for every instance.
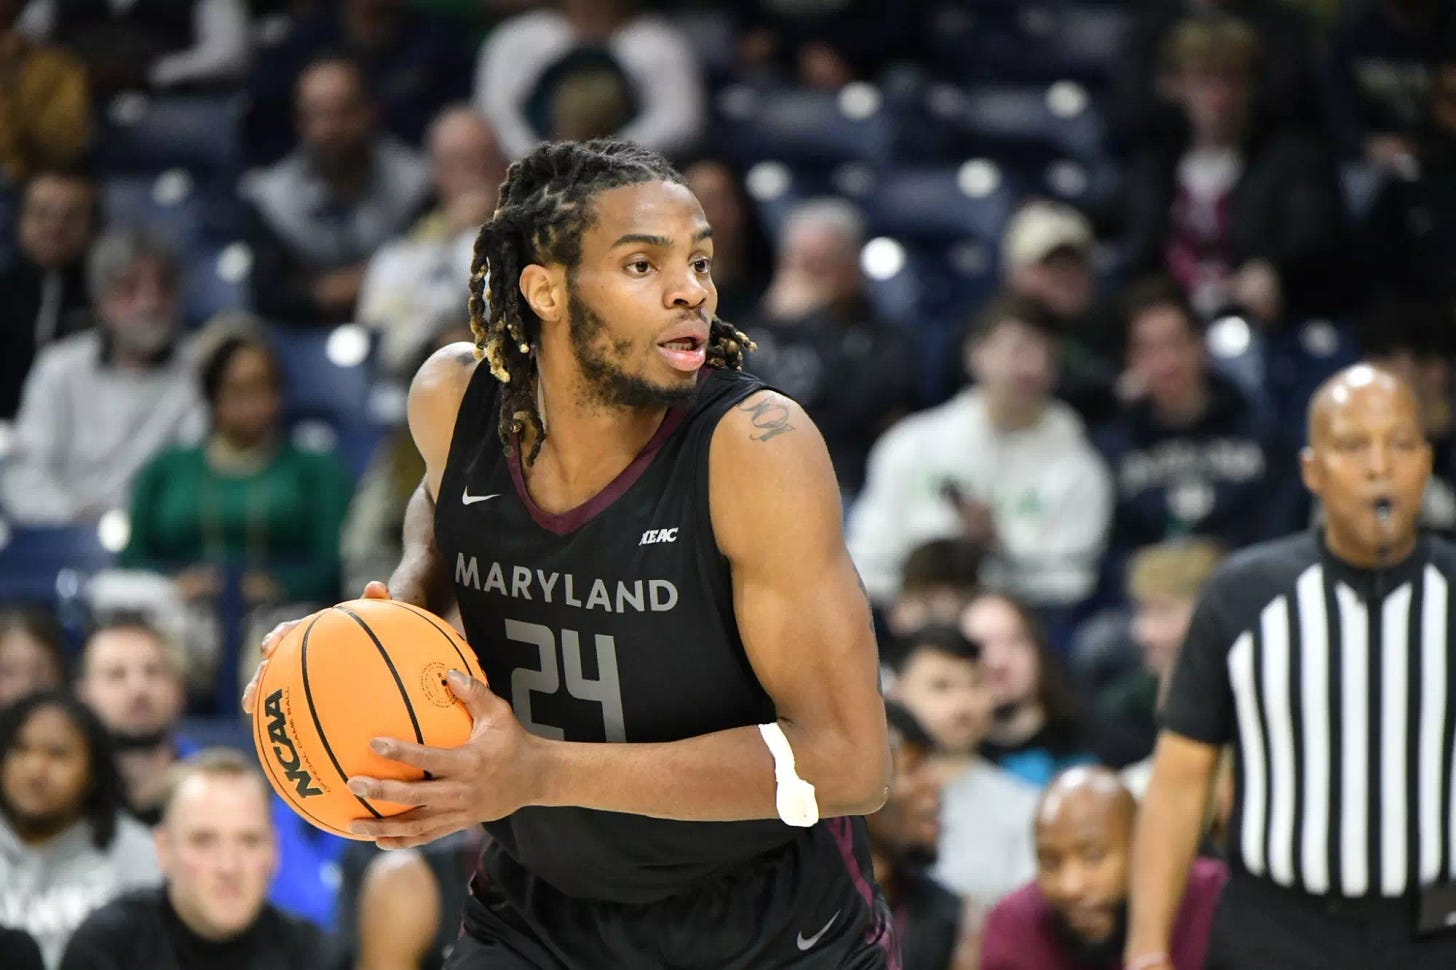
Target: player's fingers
(276, 635)
(436, 794)
(417, 823)
(250, 692)
(472, 693)
(375, 590)
(437, 761)
(429, 832)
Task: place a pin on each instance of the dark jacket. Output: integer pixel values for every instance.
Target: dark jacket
(1285, 208)
(1219, 477)
(1408, 240)
(34, 318)
(1380, 70)
(141, 931)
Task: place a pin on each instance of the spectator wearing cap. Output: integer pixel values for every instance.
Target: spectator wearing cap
(1190, 454)
(98, 405)
(1047, 255)
(1002, 463)
(43, 285)
(316, 217)
(821, 343)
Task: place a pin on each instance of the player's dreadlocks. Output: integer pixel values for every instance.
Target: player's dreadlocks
(544, 207)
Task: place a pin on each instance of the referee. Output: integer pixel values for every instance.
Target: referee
(1323, 659)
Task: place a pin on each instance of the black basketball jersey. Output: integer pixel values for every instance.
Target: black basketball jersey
(610, 622)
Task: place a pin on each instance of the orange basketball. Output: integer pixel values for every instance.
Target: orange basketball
(356, 671)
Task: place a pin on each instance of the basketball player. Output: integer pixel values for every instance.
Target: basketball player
(644, 545)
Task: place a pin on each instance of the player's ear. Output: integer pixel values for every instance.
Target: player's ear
(544, 292)
(1309, 470)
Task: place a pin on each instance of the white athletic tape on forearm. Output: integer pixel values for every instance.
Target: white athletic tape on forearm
(795, 798)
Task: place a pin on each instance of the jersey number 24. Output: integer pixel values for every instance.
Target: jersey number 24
(546, 678)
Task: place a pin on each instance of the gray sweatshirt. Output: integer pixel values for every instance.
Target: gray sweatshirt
(48, 890)
(85, 428)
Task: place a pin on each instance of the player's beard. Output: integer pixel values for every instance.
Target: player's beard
(608, 383)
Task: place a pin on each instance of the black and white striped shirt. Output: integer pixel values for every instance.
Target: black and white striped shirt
(1335, 686)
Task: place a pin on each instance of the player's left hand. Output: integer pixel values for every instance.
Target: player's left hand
(488, 777)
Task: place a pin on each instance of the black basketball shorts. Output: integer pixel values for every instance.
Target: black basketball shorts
(808, 905)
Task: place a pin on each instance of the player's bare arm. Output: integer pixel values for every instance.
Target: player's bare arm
(807, 631)
(420, 578)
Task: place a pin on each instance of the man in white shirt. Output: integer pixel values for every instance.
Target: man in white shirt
(98, 405)
(1003, 463)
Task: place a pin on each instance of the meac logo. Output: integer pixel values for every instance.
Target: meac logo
(278, 734)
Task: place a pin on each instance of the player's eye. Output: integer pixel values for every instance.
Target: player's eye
(702, 264)
(639, 267)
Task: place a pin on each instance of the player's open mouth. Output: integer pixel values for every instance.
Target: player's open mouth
(684, 353)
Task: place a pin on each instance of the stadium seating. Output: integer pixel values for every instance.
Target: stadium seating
(198, 134)
(1026, 41)
(214, 280)
(48, 563)
(328, 381)
(971, 200)
(805, 128)
(1021, 124)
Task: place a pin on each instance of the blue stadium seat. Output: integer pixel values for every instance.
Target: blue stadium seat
(318, 384)
(328, 383)
(48, 563)
(805, 128)
(187, 213)
(972, 200)
(215, 280)
(1027, 41)
(198, 133)
(1022, 125)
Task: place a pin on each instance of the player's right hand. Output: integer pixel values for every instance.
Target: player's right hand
(374, 590)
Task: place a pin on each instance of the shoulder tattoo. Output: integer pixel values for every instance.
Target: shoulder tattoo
(770, 418)
(466, 357)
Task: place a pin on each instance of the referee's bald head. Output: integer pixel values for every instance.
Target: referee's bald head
(1347, 388)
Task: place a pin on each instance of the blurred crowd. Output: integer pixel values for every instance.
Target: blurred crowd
(1054, 277)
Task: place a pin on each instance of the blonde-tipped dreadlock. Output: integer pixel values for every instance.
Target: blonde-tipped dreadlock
(543, 209)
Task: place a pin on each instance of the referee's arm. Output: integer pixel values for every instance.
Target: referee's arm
(1196, 722)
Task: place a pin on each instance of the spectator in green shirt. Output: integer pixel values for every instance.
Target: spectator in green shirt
(244, 496)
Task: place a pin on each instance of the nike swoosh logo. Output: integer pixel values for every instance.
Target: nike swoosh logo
(467, 499)
(805, 942)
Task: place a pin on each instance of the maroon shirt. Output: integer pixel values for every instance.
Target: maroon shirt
(1019, 934)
